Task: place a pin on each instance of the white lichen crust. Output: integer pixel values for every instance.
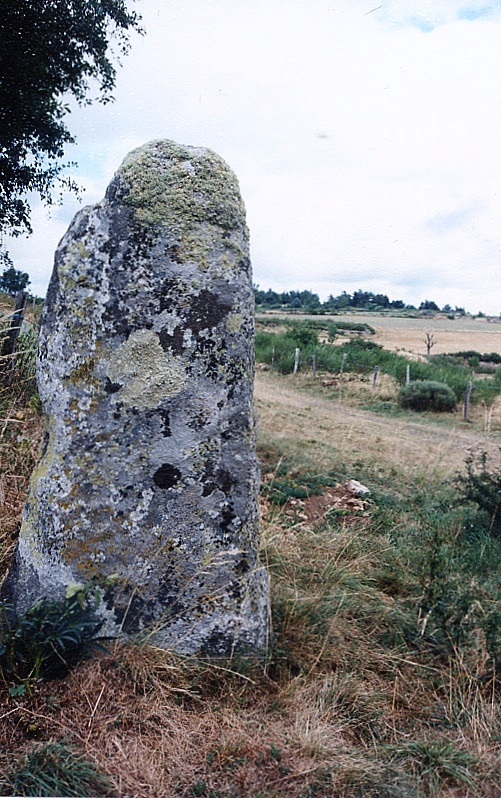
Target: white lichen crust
(148, 480)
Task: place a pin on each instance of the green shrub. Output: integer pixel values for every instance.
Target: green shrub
(482, 487)
(427, 395)
(302, 334)
(49, 639)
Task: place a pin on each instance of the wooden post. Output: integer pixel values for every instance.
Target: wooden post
(467, 400)
(408, 374)
(374, 379)
(314, 364)
(343, 361)
(10, 341)
(296, 360)
(273, 358)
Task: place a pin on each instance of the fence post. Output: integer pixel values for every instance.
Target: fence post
(314, 364)
(467, 400)
(273, 358)
(10, 341)
(296, 360)
(343, 361)
(408, 374)
(374, 379)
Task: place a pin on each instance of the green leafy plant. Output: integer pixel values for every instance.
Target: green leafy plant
(427, 395)
(481, 485)
(54, 769)
(49, 639)
(302, 334)
(284, 487)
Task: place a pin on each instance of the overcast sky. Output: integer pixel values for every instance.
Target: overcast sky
(366, 138)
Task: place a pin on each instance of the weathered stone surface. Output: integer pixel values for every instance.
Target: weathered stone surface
(149, 474)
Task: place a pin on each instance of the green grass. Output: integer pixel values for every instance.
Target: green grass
(52, 769)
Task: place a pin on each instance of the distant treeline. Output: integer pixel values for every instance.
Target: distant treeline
(361, 300)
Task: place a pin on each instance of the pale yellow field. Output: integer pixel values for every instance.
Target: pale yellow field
(407, 334)
(450, 335)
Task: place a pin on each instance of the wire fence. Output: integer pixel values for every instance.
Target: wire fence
(470, 384)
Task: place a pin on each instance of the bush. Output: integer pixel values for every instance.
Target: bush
(49, 639)
(427, 395)
(482, 487)
(302, 334)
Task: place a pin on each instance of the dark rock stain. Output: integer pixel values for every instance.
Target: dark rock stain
(167, 476)
(206, 311)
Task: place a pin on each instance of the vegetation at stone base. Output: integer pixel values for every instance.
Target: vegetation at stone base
(383, 678)
(49, 50)
(427, 395)
(362, 356)
(48, 640)
(54, 769)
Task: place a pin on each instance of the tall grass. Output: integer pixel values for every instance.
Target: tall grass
(20, 429)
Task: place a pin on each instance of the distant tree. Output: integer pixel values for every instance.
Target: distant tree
(13, 280)
(428, 305)
(430, 342)
(49, 50)
(309, 299)
(338, 302)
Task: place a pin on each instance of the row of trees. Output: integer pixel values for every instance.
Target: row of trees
(361, 300)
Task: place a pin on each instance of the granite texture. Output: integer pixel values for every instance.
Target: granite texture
(148, 479)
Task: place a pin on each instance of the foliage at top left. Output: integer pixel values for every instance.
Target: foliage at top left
(50, 50)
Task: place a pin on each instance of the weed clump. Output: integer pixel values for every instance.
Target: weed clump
(54, 769)
(427, 395)
(481, 486)
(48, 640)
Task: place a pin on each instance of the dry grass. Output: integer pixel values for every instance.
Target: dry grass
(341, 706)
(332, 712)
(20, 430)
(309, 426)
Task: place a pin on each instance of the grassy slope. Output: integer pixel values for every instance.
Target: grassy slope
(379, 682)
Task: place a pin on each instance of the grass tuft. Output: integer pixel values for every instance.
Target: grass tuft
(55, 768)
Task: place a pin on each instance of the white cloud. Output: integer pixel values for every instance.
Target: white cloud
(365, 138)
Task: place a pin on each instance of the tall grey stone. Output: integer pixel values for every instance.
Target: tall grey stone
(148, 480)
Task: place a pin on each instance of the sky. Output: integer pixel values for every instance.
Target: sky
(366, 138)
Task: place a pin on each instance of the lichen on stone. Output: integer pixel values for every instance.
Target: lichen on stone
(145, 373)
(181, 188)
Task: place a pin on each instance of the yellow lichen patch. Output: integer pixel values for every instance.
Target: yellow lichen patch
(234, 322)
(179, 187)
(146, 373)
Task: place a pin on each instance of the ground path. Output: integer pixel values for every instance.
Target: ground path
(327, 430)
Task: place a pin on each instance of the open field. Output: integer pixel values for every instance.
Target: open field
(408, 334)
(456, 335)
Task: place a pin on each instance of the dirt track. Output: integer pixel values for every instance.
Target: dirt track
(328, 430)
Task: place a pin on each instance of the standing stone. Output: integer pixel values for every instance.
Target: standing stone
(148, 481)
